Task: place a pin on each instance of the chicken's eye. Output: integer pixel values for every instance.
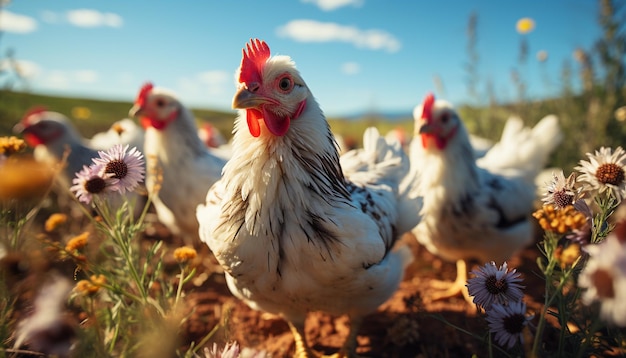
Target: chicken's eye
(160, 103)
(285, 84)
(445, 117)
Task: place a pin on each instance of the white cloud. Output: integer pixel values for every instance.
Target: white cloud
(93, 18)
(314, 31)
(85, 76)
(350, 68)
(57, 79)
(213, 83)
(26, 69)
(330, 5)
(20, 24)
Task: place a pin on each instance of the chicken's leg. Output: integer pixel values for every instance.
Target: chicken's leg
(449, 289)
(348, 349)
(302, 349)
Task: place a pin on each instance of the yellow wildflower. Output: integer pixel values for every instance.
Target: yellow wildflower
(54, 221)
(77, 242)
(11, 145)
(185, 254)
(23, 179)
(525, 25)
(566, 256)
(560, 221)
(91, 286)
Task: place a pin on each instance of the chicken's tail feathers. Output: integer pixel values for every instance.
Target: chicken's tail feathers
(524, 150)
(380, 159)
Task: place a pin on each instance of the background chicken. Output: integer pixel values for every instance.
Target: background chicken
(125, 131)
(291, 232)
(51, 134)
(180, 167)
(475, 210)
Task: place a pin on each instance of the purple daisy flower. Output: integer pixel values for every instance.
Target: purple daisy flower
(494, 285)
(507, 322)
(89, 182)
(125, 165)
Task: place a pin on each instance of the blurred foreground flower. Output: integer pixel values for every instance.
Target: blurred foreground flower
(91, 286)
(54, 221)
(605, 171)
(507, 322)
(24, 183)
(47, 330)
(494, 285)
(231, 350)
(525, 25)
(11, 145)
(77, 242)
(604, 278)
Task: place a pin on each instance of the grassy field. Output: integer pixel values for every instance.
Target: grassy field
(101, 114)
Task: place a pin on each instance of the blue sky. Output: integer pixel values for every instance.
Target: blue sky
(355, 55)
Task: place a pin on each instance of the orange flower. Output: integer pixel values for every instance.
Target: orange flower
(185, 254)
(561, 221)
(11, 145)
(91, 286)
(54, 221)
(77, 242)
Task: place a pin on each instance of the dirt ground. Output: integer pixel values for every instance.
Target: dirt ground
(407, 325)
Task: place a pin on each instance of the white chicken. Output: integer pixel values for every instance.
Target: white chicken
(478, 210)
(181, 169)
(125, 131)
(51, 134)
(292, 233)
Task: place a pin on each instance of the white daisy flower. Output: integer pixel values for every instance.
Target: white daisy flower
(605, 171)
(560, 192)
(604, 278)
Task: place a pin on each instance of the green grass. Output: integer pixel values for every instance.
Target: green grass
(13, 106)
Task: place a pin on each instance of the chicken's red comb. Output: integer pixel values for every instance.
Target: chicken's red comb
(35, 110)
(143, 94)
(427, 107)
(253, 61)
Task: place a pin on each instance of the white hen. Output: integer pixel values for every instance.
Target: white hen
(292, 233)
(478, 210)
(51, 134)
(181, 169)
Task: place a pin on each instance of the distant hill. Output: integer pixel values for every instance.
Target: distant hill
(89, 115)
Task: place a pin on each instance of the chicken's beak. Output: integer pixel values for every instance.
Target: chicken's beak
(424, 127)
(135, 111)
(19, 128)
(245, 98)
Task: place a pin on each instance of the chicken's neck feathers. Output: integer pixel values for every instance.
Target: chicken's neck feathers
(178, 141)
(298, 173)
(447, 176)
